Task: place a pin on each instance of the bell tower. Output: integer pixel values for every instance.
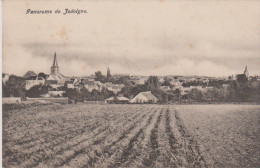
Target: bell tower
(55, 67)
(246, 72)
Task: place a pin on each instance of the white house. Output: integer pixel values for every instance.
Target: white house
(185, 90)
(5, 77)
(91, 85)
(165, 88)
(32, 81)
(113, 87)
(144, 97)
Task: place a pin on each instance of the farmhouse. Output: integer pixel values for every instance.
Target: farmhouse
(144, 97)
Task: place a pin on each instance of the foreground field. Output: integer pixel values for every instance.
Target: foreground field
(132, 136)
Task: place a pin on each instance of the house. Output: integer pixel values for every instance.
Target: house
(91, 85)
(165, 88)
(113, 87)
(56, 79)
(176, 83)
(139, 80)
(33, 81)
(207, 88)
(117, 100)
(5, 78)
(161, 80)
(185, 90)
(196, 87)
(70, 84)
(144, 97)
(56, 93)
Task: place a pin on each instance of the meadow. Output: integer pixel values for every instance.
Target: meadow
(88, 135)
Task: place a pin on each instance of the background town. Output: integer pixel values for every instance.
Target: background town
(123, 88)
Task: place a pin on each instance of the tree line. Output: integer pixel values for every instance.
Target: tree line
(236, 91)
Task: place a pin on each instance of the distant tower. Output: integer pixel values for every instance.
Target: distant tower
(246, 72)
(55, 67)
(108, 73)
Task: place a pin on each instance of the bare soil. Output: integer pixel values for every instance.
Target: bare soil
(132, 136)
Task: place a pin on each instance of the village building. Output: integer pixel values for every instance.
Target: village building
(56, 79)
(5, 78)
(144, 97)
(161, 80)
(114, 87)
(196, 87)
(139, 80)
(185, 90)
(72, 83)
(165, 88)
(56, 93)
(91, 85)
(175, 83)
(33, 81)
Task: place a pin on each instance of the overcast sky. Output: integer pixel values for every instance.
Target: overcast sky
(212, 38)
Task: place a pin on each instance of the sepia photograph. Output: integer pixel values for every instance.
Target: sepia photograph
(127, 84)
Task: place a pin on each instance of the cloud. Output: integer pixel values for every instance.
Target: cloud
(179, 38)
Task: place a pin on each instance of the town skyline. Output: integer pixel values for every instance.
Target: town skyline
(105, 71)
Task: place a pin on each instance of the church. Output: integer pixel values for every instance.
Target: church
(56, 79)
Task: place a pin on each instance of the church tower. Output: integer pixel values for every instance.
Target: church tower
(55, 67)
(246, 73)
(108, 73)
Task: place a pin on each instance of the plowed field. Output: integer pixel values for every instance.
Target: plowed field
(132, 136)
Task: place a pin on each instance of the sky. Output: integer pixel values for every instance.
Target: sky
(211, 38)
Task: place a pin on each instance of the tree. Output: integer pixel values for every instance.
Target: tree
(214, 95)
(167, 82)
(125, 80)
(152, 83)
(100, 77)
(96, 95)
(37, 90)
(108, 73)
(177, 94)
(107, 93)
(85, 94)
(14, 86)
(43, 75)
(72, 94)
(196, 95)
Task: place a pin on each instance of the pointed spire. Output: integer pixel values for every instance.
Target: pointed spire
(55, 62)
(246, 72)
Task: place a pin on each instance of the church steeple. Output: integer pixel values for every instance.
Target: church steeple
(246, 72)
(55, 62)
(55, 67)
